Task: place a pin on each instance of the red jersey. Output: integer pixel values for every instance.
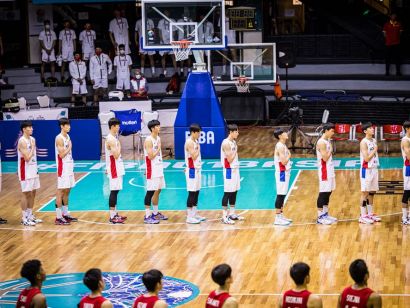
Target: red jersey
(216, 300)
(352, 298)
(295, 299)
(26, 296)
(91, 302)
(145, 302)
(393, 31)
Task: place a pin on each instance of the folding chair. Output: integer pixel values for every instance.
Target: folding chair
(343, 132)
(104, 117)
(394, 134)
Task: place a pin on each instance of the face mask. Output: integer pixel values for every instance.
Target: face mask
(138, 76)
(47, 27)
(122, 52)
(98, 52)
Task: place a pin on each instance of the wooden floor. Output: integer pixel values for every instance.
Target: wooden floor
(259, 252)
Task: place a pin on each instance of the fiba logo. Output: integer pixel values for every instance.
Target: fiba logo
(204, 138)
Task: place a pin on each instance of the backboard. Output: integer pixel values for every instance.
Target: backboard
(199, 21)
(255, 61)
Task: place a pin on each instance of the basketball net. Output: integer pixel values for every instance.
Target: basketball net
(181, 49)
(242, 85)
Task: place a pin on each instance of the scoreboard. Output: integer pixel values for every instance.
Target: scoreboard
(242, 18)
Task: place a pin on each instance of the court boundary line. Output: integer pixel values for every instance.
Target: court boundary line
(292, 187)
(319, 294)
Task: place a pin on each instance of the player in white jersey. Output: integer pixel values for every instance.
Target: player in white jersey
(282, 175)
(193, 162)
(118, 31)
(87, 39)
(326, 173)
(123, 63)
(48, 41)
(405, 152)
(369, 175)
(65, 173)
(232, 178)
(149, 28)
(115, 169)
(2, 220)
(165, 38)
(154, 173)
(66, 47)
(28, 173)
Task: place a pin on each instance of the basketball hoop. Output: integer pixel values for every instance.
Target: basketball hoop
(181, 49)
(242, 84)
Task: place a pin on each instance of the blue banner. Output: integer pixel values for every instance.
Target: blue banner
(85, 136)
(130, 121)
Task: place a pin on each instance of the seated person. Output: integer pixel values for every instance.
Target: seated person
(174, 85)
(139, 85)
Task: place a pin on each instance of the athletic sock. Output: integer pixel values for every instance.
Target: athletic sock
(112, 213)
(142, 70)
(363, 211)
(58, 213)
(29, 213)
(147, 213)
(155, 209)
(325, 209)
(194, 211)
(319, 213)
(224, 213)
(404, 214)
(232, 211)
(370, 209)
(65, 209)
(24, 215)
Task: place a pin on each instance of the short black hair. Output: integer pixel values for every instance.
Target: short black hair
(121, 46)
(113, 122)
(63, 121)
(232, 127)
(366, 126)
(76, 52)
(277, 132)
(92, 278)
(328, 126)
(221, 273)
(194, 128)
(358, 270)
(406, 124)
(152, 124)
(30, 270)
(25, 124)
(151, 278)
(46, 22)
(299, 271)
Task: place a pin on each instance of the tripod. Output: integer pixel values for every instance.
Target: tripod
(295, 115)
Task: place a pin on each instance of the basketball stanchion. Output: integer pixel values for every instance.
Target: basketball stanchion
(242, 85)
(181, 49)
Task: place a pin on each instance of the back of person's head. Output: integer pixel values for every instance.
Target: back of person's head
(30, 270)
(232, 127)
(151, 278)
(194, 128)
(328, 126)
(63, 121)
(113, 122)
(152, 124)
(25, 124)
(406, 124)
(277, 132)
(92, 279)
(358, 270)
(366, 126)
(221, 273)
(299, 271)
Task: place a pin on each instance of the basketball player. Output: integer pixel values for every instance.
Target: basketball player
(282, 175)
(67, 43)
(154, 173)
(149, 28)
(299, 296)
(2, 220)
(152, 280)
(65, 173)
(220, 298)
(123, 64)
(165, 38)
(28, 173)
(369, 175)
(32, 297)
(405, 151)
(94, 281)
(327, 177)
(193, 173)
(87, 38)
(115, 169)
(232, 178)
(359, 295)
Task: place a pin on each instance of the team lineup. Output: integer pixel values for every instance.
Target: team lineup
(155, 180)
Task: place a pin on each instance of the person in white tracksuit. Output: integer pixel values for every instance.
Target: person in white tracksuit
(118, 31)
(67, 42)
(149, 28)
(123, 63)
(47, 40)
(78, 73)
(87, 39)
(100, 68)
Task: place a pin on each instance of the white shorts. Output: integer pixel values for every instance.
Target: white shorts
(406, 178)
(166, 52)
(147, 52)
(123, 83)
(282, 182)
(193, 179)
(100, 83)
(115, 184)
(67, 54)
(87, 55)
(45, 57)
(79, 88)
(327, 186)
(155, 183)
(30, 184)
(65, 181)
(232, 180)
(369, 179)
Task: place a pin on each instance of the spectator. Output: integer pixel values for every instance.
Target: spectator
(174, 84)
(100, 68)
(47, 40)
(392, 31)
(66, 47)
(149, 27)
(165, 38)
(139, 85)
(78, 72)
(123, 63)
(87, 39)
(33, 271)
(118, 31)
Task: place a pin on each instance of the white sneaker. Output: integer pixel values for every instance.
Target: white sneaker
(200, 218)
(227, 220)
(35, 220)
(322, 220)
(235, 217)
(26, 222)
(405, 222)
(192, 220)
(331, 218)
(374, 217)
(365, 220)
(281, 221)
(285, 218)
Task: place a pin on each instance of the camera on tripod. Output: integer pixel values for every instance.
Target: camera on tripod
(295, 114)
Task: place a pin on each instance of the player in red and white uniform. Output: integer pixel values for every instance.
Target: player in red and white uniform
(2, 220)
(299, 296)
(28, 173)
(31, 297)
(282, 175)
(65, 173)
(220, 298)
(193, 163)
(326, 173)
(152, 281)
(232, 178)
(405, 152)
(369, 175)
(154, 173)
(359, 295)
(94, 281)
(115, 168)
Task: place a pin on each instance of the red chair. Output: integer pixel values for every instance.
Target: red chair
(393, 134)
(343, 132)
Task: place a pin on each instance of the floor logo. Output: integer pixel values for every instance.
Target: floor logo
(66, 290)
